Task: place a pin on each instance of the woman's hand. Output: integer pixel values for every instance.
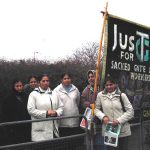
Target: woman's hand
(52, 113)
(105, 119)
(115, 122)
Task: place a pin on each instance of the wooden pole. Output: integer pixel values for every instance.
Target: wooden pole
(99, 56)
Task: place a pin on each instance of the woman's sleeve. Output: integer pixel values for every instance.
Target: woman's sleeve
(85, 102)
(60, 106)
(32, 109)
(129, 110)
(78, 98)
(98, 108)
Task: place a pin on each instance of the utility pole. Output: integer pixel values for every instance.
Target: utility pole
(34, 56)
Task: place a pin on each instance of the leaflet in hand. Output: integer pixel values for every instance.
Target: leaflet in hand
(88, 115)
(111, 134)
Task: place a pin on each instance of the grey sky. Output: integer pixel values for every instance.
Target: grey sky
(55, 28)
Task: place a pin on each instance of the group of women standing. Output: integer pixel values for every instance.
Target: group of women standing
(62, 101)
(41, 102)
(111, 105)
(15, 109)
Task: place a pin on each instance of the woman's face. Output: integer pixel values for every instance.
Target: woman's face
(110, 87)
(44, 83)
(66, 80)
(18, 86)
(91, 78)
(33, 83)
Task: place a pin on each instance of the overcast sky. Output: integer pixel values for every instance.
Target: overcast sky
(55, 28)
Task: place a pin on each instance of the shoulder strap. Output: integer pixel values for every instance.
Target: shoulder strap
(38, 90)
(122, 104)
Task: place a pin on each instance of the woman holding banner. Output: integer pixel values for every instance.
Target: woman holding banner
(87, 101)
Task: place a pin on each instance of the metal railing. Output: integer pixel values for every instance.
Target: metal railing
(76, 142)
(139, 140)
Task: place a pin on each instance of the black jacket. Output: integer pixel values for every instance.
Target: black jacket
(15, 109)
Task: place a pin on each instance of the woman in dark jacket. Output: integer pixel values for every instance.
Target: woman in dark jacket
(32, 84)
(15, 109)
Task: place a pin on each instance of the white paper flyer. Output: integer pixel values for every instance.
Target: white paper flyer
(111, 134)
(88, 115)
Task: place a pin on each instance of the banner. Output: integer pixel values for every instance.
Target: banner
(127, 56)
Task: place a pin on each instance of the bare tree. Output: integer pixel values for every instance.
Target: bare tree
(86, 55)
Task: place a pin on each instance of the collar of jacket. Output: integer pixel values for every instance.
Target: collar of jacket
(41, 91)
(117, 92)
(64, 91)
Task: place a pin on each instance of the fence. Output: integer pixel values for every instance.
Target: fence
(139, 140)
(74, 142)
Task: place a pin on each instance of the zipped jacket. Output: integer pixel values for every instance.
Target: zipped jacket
(71, 101)
(110, 105)
(38, 104)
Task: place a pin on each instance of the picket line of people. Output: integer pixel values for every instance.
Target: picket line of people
(41, 102)
(38, 101)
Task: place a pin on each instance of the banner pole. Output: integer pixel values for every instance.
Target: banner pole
(99, 56)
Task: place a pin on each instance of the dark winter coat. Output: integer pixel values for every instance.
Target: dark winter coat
(15, 109)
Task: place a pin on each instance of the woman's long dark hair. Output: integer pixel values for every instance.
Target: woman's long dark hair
(32, 76)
